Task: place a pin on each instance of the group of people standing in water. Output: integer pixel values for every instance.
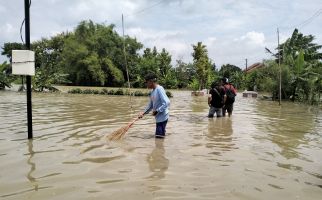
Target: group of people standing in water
(221, 99)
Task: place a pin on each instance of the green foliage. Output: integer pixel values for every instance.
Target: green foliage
(114, 75)
(88, 91)
(299, 42)
(75, 91)
(237, 79)
(164, 64)
(169, 94)
(138, 93)
(194, 85)
(93, 55)
(104, 91)
(184, 74)
(300, 71)
(111, 92)
(119, 91)
(201, 63)
(229, 70)
(5, 76)
(44, 80)
(8, 47)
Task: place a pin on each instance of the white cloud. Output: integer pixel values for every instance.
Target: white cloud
(174, 24)
(210, 41)
(7, 28)
(170, 40)
(253, 37)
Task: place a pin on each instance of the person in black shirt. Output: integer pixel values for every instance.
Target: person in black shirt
(216, 99)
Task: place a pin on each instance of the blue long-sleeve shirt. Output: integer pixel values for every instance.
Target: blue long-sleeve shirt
(160, 102)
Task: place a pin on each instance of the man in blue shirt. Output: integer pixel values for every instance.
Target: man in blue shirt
(159, 104)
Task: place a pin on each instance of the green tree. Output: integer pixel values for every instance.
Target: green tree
(292, 46)
(184, 73)
(5, 76)
(201, 63)
(8, 47)
(228, 70)
(47, 56)
(93, 55)
(165, 72)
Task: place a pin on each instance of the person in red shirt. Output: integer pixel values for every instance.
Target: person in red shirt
(230, 93)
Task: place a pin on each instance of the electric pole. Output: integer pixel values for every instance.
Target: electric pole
(28, 77)
(279, 65)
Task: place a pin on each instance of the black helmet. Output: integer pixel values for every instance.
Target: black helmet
(224, 80)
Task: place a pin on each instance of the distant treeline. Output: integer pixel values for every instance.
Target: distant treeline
(96, 55)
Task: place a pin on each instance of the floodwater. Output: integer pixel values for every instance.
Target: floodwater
(264, 151)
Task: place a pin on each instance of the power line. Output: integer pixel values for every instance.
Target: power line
(310, 19)
(144, 9)
(22, 23)
(306, 21)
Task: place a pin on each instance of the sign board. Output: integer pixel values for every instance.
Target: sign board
(23, 62)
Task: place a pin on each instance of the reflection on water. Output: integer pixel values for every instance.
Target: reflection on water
(264, 151)
(32, 180)
(220, 135)
(293, 125)
(157, 161)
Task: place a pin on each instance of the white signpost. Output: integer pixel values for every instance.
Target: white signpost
(23, 62)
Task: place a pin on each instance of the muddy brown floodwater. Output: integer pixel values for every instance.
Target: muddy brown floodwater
(264, 151)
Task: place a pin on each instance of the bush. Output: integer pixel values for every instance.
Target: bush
(87, 91)
(95, 91)
(119, 92)
(111, 92)
(138, 93)
(104, 91)
(169, 94)
(127, 92)
(75, 91)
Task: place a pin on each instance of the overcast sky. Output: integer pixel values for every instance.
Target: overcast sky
(232, 30)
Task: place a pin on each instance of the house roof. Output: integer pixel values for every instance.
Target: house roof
(253, 67)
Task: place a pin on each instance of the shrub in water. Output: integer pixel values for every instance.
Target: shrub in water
(138, 93)
(95, 91)
(75, 91)
(119, 92)
(127, 92)
(87, 91)
(169, 94)
(104, 91)
(111, 92)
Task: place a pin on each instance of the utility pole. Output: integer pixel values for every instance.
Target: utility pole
(279, 65)
(246, 64)
(28, 77)
(127, 71)
(125, 60)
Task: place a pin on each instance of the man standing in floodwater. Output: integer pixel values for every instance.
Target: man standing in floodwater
(216, 100)
(230, 93)
(159, 104)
